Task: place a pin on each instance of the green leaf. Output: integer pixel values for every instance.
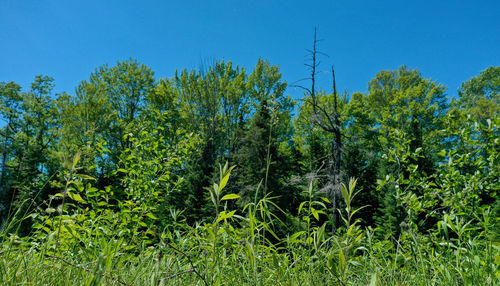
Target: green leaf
(151, 216)
(76, 197)
(326, 200)
(341, 260)
(224, 180)
(373, 280)
(85, 177)
(68, 228)
(345, 194)
(350, 230)
(301, 206)
(329, 261)
(315, 213)
(223, 215)
(76, 159)
(295, 236)
(230, 197)
(358, 209)
(450, 223)
(212, 198)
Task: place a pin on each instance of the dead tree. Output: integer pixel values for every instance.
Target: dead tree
(329, 121)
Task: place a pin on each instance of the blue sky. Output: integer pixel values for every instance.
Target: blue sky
(448, 41)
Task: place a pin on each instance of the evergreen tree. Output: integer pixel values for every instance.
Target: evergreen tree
(28, 145)
(10, 115)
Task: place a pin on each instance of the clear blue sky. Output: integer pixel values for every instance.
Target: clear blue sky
(448, 41)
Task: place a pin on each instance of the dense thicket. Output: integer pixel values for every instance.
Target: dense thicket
(143, 155)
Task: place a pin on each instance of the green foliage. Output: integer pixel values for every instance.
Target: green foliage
(135, 213)
(404, 116)
(28, 147)
(10, 111)
(234, 249)
(480, 95)
(123, 183)
(107, 106)
(464, 185)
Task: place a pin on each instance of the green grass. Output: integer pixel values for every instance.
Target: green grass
(242, 254)
(407, 261)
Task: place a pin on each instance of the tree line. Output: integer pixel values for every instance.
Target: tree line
(159, 143)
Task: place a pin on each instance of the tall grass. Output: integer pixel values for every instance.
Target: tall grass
(240, 247)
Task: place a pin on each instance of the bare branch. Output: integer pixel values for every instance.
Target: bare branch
(190, 262)
(323, 54)
(304, 88)
(302, 79)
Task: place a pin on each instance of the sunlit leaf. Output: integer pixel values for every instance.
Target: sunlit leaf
(76, 197)
(230, 197)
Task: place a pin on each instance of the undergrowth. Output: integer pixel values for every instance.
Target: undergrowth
(80, 244)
